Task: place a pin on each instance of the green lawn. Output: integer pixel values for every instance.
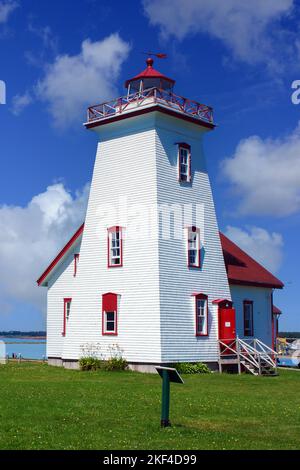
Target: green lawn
(44, 407)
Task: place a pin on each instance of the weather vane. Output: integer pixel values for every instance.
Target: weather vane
(159, 55)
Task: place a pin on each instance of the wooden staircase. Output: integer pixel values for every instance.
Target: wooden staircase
(247, 355)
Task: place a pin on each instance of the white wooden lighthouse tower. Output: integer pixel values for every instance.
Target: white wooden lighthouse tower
(137, 286)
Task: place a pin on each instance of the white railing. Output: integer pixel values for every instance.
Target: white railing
(251, 353)
(146, 97)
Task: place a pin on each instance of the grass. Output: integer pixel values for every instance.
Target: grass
(43, 407)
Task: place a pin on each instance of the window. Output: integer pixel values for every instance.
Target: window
(76, 259)
(110, 322)
(248, 318)
(115, 247)
(184, 162)
(109, 314)
(67, 308)
(194, 255)
(201, 314)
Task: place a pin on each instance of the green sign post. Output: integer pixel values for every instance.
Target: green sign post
(168, 374)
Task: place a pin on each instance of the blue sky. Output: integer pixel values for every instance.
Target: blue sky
(58, 57)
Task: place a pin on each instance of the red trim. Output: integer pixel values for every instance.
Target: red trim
(110, 230)
(149, 72)
(187, 147)
(198, 265)
(252, 283)
(109, 304)
(244, 270)
(248, 302)
(60, 255)
(223, 303)
(76, 258)
(276, 310)
(204, 297)
(66, 300)
(184, 145)
(157, 107)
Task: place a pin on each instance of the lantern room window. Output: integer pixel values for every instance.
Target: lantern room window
(194, 253)
(248, 318)
(184, 163)
(115, 247)
(201, 315)
(109, 314)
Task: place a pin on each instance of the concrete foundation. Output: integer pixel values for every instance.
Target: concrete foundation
(135, 366)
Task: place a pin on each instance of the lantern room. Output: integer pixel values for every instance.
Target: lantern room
(149, 78)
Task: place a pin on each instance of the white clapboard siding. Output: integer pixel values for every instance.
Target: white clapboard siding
(262, 308)
(137, 160)
(61, 285)
(125, 166)
(177, 281)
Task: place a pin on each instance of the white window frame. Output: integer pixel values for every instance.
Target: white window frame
(184, 163)
(193, 243)
(114, 321)
(201, 316)
(68, 309)
(115, 247)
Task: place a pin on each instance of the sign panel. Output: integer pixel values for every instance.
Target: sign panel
(172, 373)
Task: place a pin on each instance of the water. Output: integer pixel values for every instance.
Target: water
(28, 348)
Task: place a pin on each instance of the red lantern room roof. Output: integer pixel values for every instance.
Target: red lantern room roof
(150, 73)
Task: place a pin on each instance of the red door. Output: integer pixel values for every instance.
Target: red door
(227, 331)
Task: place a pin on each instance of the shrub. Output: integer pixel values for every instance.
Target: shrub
(192, 368)
(90, 358)
(115, 363)
(115, 360)
(90, 363)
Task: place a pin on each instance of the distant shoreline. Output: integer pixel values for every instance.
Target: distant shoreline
(23, 337)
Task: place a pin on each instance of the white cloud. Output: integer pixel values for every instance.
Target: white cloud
(6, 8)
(265, 175)
(20, 102)
(264, 247)
(31, 236)
(71, 83)
(245, 27)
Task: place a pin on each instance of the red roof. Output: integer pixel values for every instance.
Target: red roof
(241, 268)
(60, 255)
(149, 72)
(276, 310)
(244, 270)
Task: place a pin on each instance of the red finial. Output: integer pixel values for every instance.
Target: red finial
(149, 62)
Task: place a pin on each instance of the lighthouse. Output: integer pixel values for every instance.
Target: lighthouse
(148, 275)
(149, 262)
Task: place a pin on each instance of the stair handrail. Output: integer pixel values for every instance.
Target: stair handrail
(264, 353)
(265, 347)
(227, 346)
(250, 353)
(248, 347)
(249, 358)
